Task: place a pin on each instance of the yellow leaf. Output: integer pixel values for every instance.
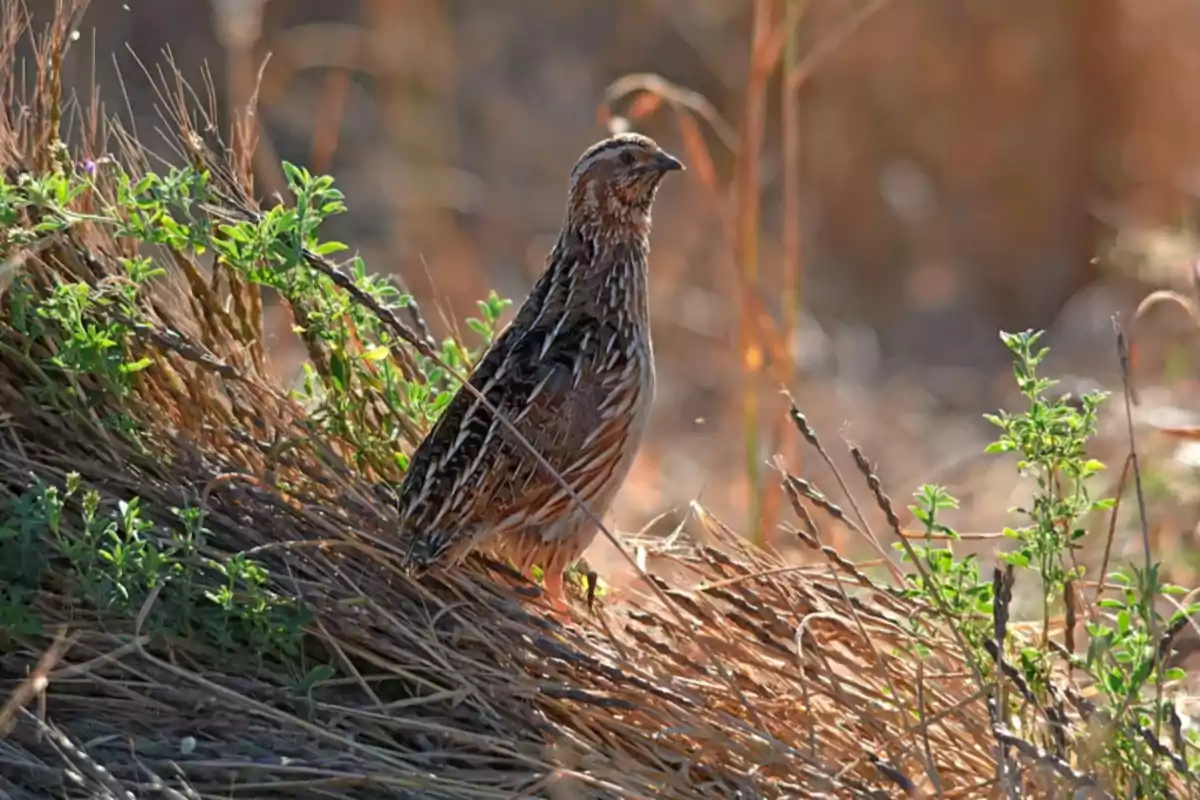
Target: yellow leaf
(377, 353)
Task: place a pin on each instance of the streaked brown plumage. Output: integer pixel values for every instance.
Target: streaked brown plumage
(574, 372)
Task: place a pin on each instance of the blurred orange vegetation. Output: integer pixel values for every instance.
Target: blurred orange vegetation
(875, 188)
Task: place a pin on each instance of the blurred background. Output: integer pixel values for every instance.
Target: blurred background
(876, 188)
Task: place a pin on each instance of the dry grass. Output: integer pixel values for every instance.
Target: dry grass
(740, 677)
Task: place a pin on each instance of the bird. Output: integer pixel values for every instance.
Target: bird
(573, 372)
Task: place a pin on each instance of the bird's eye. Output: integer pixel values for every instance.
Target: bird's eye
(627, 158)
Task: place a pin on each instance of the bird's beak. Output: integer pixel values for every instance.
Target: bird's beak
(665, 162)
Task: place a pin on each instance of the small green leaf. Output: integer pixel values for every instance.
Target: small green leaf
(338, 370)
(1141, 673)
(377, 353)
(319, 674)
(1017, 559)
(330, 247)
(135, 366)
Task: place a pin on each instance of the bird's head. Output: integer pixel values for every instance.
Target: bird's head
(615, 180)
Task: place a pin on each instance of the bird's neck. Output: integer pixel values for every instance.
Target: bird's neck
(600, 270)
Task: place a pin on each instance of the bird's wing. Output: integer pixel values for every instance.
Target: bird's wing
(471, 476)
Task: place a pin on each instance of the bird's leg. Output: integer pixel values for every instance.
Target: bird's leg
(593, 580)
(552, 585)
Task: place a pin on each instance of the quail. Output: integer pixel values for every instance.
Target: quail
(573, 372)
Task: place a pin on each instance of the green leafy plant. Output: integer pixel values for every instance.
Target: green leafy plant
(118, 558)
(1051, 437)
(1126, 659)
(487, 324)
(1128, 635)
(956, 581)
